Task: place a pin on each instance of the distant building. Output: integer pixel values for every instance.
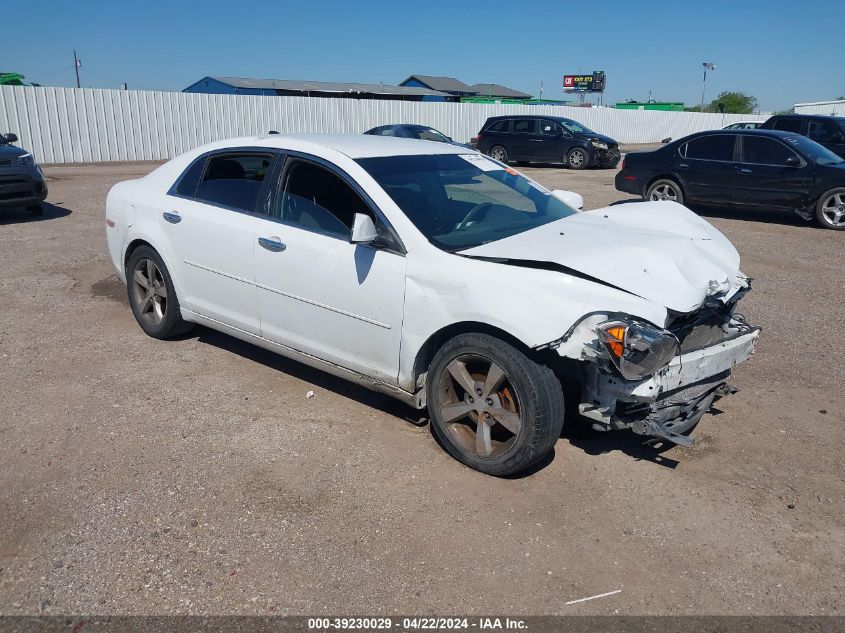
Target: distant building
(460, 89)
(670, 106)
(286, 87)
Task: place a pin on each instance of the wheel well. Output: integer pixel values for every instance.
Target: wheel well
(436, 341)
(665, 177)
(132, 246)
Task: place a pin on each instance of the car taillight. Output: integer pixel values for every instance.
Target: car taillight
(622, 164)
(478, 138)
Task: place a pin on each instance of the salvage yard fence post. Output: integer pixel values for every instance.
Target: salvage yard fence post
(83, 125)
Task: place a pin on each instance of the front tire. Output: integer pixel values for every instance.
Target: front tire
(499, 153)
(578, 158)
(830, 209)
(665, 189)
(152, 295)
(493, 408)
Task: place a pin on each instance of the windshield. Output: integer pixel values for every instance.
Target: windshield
(459, 201)
(812, 150)
(428, 134)
(574, 127)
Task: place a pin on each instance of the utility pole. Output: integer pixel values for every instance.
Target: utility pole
(707, 66)
(76, 64)
(541, 90)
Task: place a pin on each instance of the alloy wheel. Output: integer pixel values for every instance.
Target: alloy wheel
(833, 209)
(577, 158)
(498, 153)
(149, 292)
(479, 406)
(664, 191)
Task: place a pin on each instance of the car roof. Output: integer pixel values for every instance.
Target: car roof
(352, 145)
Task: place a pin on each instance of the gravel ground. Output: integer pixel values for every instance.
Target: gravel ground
(194, 476)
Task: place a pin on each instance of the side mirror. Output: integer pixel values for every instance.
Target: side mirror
(11, 137)
(574, 200)
(363, 229)
(793, 161)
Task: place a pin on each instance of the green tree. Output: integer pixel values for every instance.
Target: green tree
(733, 102)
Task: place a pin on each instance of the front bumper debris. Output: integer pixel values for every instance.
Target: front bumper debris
(670, 403)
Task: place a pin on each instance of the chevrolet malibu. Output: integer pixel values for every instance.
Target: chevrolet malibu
(443, 278)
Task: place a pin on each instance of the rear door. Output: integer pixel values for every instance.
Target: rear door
(771, 175)
(207, 223)
(524, 139)
(707, 167)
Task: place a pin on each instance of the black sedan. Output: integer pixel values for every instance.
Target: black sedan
(21, 179)
(410, 130)
(754, 169)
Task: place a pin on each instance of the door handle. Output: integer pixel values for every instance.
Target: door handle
(743, 170)
(172, 217)
(683, 166)
(536, 140)
(273, 244)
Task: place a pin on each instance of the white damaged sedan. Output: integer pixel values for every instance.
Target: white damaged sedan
(441, 277)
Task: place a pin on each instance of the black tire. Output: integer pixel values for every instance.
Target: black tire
(536, 392)
(665, 189)
(498, 153)
(578, 158)
(36, 209)
(830, 205)
(170, 322)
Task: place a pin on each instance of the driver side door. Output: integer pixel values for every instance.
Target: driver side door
(317, 292)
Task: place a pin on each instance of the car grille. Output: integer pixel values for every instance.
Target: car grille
(702, 328)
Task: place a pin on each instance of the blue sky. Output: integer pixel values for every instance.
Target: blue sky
(782, 52)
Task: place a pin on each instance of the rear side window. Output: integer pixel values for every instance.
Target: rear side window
(500, 126)
(234, 180)
(716, 147)
(524, 126)
(187, 186)
(760, 150)
(788, 125)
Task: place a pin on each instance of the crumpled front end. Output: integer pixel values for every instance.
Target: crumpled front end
(668, 403)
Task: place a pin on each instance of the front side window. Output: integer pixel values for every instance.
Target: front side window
(761, 150)
(315, 199)
(575, 127)
(823, 132)
(234, 179)
(459, 201)
(716, 147)
(549, 128)
(524, 126)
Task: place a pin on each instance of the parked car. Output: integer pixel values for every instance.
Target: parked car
(546, 139)
(408, 130)
(21, 179)
(756, 169)
(442, 278)
(743, 125)
(824, 130)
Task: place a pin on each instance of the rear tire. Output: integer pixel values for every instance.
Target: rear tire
(577, 158)
(152, 295)
(493, 408)
(665, 189)
(830, 209)
(499, 153)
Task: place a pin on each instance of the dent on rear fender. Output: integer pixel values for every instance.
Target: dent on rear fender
(537, 307)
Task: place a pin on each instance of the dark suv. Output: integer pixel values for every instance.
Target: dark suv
(21, 179)
(824, 130)
(546, 139)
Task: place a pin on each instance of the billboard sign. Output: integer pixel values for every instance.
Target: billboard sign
(584, 83)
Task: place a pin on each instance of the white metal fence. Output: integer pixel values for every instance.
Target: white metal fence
(836, 108)
(73, 125)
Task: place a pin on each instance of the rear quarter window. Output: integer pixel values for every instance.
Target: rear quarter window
(500, 126)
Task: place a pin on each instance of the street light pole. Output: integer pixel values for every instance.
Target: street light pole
(707, 66)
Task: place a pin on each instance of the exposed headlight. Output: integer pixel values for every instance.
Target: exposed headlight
(636, 349)
(27, 160)
(599, 145)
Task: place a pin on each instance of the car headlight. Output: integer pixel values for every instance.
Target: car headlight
(599, 145)
(636, 349)
(27, 160)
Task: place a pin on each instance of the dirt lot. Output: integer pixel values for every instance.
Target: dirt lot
(194, 476)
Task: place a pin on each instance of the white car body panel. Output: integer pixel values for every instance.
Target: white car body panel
(366, 314)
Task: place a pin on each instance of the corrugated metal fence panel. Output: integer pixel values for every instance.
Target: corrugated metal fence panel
(833, 108)
(73, 125)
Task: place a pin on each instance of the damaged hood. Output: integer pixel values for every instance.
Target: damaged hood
(660, 251)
